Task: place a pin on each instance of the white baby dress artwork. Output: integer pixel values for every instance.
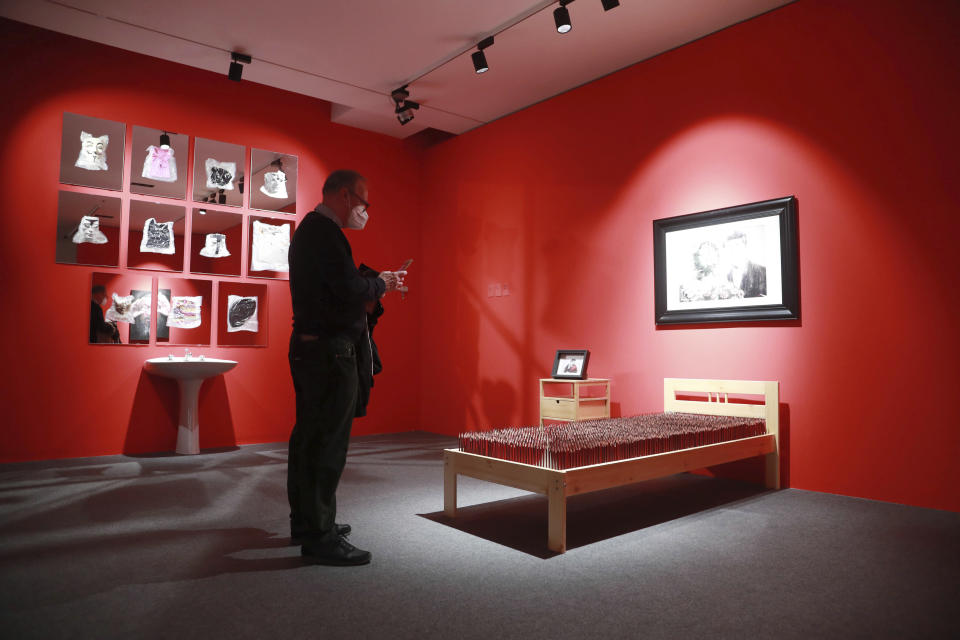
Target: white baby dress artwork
(157, 237)
(93, 152)
(220, 175)
(121, 309)
(163, 304)
(141, 304)
(215, 246)
(89, 231)
(160, 164)
(185, 312)
(128, 308)
(275, 184)
(242, 314)
(270, 245)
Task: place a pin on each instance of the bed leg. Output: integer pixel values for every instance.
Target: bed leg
(557, 517)
(449, 488)
(772, 480)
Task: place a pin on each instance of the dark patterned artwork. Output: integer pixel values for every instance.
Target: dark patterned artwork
(242, 313)
(220, 174)
(157, 237)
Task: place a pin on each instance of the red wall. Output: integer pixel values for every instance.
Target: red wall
(850, 106)
(63, 397)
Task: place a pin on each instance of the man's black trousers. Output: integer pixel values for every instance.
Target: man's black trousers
(325, 380)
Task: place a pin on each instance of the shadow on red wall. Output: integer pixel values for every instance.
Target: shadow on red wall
(154, 416)
(216, 418)
(752, 469)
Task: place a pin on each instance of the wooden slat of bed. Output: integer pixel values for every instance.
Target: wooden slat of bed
(718, 408)
(622, 472)
(513, 474)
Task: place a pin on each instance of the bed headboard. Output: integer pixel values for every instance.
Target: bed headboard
(717, 403)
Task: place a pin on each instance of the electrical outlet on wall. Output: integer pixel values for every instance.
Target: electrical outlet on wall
(498, 289)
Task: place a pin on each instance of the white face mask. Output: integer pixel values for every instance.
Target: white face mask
(358, 218)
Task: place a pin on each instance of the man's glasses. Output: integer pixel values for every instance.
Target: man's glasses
(366, 205)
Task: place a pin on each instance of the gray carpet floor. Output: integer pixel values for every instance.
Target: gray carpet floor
(197, 547)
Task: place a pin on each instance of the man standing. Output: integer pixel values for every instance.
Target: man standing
(329, 298)
(743, 273)
(100, 329)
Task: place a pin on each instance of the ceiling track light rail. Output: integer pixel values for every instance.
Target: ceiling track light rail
(404, 107)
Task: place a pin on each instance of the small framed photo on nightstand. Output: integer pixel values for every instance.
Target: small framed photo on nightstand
(571, 364)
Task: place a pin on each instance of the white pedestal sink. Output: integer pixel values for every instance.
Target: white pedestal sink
(189, 374)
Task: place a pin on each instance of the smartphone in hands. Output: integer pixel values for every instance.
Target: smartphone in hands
(406, 264)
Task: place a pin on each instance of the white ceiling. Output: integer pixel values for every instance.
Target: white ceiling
(352, 53)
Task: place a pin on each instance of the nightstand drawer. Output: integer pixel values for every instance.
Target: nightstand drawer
(562, 408)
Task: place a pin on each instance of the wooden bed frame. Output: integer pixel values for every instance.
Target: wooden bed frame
(557, 485)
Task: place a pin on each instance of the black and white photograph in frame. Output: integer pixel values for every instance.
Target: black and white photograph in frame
(571, 364)
(727, 265)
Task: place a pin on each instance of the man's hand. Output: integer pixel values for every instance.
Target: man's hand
(393, 280)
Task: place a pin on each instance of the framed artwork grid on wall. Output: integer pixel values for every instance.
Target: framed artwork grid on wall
(205, 239)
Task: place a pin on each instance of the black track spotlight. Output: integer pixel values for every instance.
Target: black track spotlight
(236, 68)
(480, 62)
(403, 108)
(405, 111)
(561, 16)
(479, 59)
(609, 4)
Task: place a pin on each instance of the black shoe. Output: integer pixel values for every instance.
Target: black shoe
(339, 554)
(297, 537)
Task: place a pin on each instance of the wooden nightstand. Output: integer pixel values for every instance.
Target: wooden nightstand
(569, 408)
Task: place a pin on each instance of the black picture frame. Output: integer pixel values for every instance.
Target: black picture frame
(717, 284)
(579, 356)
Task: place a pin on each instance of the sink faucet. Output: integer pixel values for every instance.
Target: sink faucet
(187, 354)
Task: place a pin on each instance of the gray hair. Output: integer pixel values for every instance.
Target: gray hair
(341, 178)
